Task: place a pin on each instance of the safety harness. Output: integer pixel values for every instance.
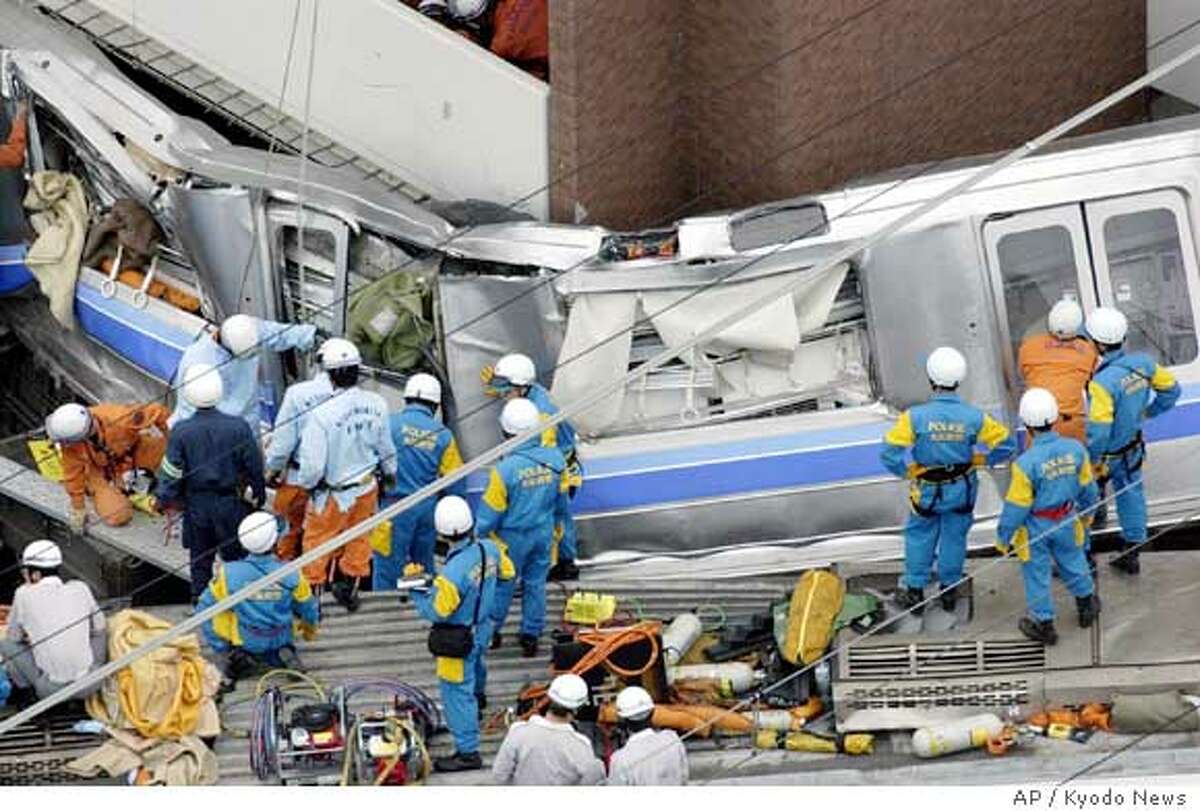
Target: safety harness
(939, 477)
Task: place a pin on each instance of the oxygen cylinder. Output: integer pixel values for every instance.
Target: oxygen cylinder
(679, 637)
(739, 676)
(774, 719)
(956, 736)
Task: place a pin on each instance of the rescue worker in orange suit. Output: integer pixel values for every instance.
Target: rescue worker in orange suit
(461, 596)
(1061, 361)
(260, 628)
(1126, 390)
(282, 458)
(12, 151)
(344, 442)
(109, 453)
(211, 459)
(1050, 487)
(523, 504)
(942, 435)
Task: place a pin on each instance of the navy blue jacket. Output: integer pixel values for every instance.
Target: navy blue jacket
(210, 454)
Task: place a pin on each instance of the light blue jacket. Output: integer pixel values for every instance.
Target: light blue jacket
(526, 496)
(457, 585)
(940, 433)
(1053, 476)
(238, 375)
(343, 442)
(426, 451)
(299, 401)
(1119, 400)
(565, 436)
(263, 622)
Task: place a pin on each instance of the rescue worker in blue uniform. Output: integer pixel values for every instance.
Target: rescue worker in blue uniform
(1125, 390)
(345, 442)
(942, 434)
(211, 458)
(425, 451)
(1051, 486)
(515, 376)
(282, 458)
(462, 595)
(233, 350)
(525, 500)
(259, 629)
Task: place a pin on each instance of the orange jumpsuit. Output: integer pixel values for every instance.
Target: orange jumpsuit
(124, 437)
(1064, 367)
(12, 152)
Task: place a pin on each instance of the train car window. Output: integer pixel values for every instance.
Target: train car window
(1149, 284)
(1038, 267)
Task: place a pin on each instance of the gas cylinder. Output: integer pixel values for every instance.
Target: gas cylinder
(956, 736)
(774, 719)
(679, 637)
(739, 676)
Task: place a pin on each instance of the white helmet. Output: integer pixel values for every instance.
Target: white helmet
(258, 532)
(516, 369)
(519, 416)
(1065, 318)
(946, 367)
(634, 703)
(338, 353)
(42, 555)
(568, 691)
(467, 10)
(423, 387)
(202, 386)
(1107, 326)
(69, 423)
(1039, 408)
(239, 333)
(452, 517)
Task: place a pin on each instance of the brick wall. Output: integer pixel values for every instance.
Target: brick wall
(670, 107)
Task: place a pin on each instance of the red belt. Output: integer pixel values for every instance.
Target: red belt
(1055, 513)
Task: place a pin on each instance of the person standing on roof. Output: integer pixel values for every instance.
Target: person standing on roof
(109, 453)
(649, 757)
(344, 443)
(1126, 390)
(211, 459)
(1061, 361)
(12, 151)
(258, 629)
(942, 435)
(233, 350)
(515, 376)
(56, 632)
(523, 504)
(425, 451)
(547, 750)
(282, 458)
(1050, 486)
(459, 605)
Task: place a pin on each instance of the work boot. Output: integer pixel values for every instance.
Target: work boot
(949, 599)
(497, 640)
(1089, 608)
(458, 763)
(290, 660)
(1039, 630)
(344, 592)
(565, 569)
(529, 646)
(911, 598)
(1127, 562)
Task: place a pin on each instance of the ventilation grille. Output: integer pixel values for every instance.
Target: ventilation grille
(944, 659)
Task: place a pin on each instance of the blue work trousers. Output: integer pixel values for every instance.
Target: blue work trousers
(942, 531)
(413, 541)
(210, 526)
(1058, 547)
(531, 558)
(1126, 472)
(458, 698)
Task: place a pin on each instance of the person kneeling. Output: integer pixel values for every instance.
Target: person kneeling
(257, 630)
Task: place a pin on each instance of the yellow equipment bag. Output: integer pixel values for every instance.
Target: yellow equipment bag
(816, 602)
(589, 608)
(48, 459)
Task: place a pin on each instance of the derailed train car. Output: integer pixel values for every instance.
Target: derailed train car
(769, 436)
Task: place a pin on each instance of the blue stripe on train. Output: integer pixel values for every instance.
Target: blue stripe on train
(13, 276)
(133, 334)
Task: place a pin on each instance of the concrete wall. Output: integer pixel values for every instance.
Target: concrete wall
(667, 107)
